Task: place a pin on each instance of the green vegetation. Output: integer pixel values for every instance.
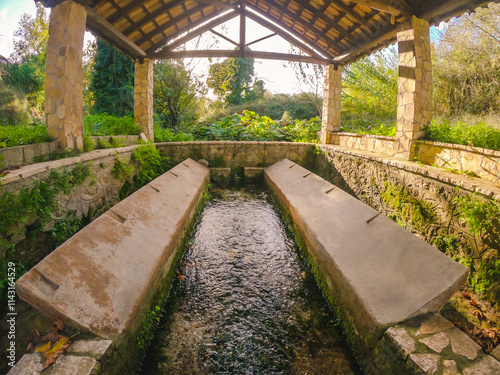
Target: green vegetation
(480, 135)
(104, 124)
(23, 135)
(484, 278)
(251, 127)
(112, 82)
(479, 215)
(122, 170)
(150, 164)
(408, 211)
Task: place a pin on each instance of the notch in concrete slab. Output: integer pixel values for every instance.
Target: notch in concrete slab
(369, 221)
(187, 166)
(304, 176)
(154, 188)
(173, 173)
(117, 216)
(329, 191)
(44, 284)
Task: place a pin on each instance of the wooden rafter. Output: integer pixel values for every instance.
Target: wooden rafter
(396, 7)
(243, 28)
(225, 38)
(236, 54)
(299, 41)
(103, 28)
(197, 32)
(332, 43)
(122, 12)
(260, 39)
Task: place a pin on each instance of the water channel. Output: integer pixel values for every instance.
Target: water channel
(245, 300)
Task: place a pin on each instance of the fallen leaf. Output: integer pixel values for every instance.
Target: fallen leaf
(474, 303)
(48, 362)
(52, 335)
(44, 348)
(57, 347)
(467, 295)
(32, 340)
(59, 324)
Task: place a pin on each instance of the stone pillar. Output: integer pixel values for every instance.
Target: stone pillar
(64, 74)
(143, 97)
(332, 102)
(415, 86)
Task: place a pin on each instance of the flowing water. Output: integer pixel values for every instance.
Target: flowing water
(245, 301)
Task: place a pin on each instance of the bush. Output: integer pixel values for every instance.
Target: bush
(104, 124)
(480, 135)
(13, 107)
(23, 135)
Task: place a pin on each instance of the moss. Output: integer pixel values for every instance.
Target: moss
(408, 211)
(352, 336)
(217, 161)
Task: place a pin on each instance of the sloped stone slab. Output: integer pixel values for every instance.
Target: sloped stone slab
(379, 271)
(102, 277)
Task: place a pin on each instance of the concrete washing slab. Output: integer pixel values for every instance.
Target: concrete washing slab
(379, 272)
(101, 279)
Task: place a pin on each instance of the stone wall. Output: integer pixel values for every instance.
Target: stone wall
(97, 193)
(472, 161)
(239, 154)
(28, 154)
(373, 143)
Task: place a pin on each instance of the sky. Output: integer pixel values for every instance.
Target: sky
(278, 76)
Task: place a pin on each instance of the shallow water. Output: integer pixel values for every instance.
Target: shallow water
(245, 301)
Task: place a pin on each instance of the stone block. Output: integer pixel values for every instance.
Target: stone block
(12, 156)
(73, 365)
(403, 340)
(101, 279)
(427, 362)
(437, 342)
(463, 344)
(96, 349)
(486, 366)
(29, 364)
(416, 277)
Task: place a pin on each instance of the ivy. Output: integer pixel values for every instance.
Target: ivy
(480, 216)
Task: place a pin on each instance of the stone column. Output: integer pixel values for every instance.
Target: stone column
(143, 97)
(415, 86)
(332, 102)
(64, 74)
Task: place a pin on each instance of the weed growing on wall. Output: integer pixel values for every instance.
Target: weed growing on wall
(408, 211)
(35, 204)
(480, 216)
(150, 164)
(122, 170)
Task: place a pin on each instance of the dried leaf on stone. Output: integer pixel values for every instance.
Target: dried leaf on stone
(474, 303)
(467, 295)
(57, 350)
(478, 314)
(52, 335)
(32, 340)
(44, 348)
(59, 324)
(48, 362)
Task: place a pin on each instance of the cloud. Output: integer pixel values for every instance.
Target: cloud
(4, 12)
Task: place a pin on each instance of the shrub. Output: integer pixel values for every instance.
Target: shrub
(104, 124)
(23, 135)
(480, 135)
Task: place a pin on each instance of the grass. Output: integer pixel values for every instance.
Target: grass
(104, 124)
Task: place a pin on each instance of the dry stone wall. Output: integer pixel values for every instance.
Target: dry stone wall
(143, 97)
(332, 102)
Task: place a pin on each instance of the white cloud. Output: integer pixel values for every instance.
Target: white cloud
(4, 12)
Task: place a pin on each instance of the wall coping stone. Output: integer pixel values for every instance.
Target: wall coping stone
(473, 184)
(357, 135)
(476, 150)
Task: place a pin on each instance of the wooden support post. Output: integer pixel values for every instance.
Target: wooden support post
(243, 20)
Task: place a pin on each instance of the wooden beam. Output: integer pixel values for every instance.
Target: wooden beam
(225, 38)
(333, 43)
(384, 34)
(446, 8)
(216, 13)
(172, 22)
(109, 33)
(149, 18)
(191, 34)
(297, 17)
(236, 54)
(300, 43)
(125, 10)
(260, 39)
(396, 7)
(243, 26)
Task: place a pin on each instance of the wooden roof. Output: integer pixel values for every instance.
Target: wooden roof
(328, 31)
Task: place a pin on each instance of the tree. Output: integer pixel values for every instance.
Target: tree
(112, 81)
(466, 62)
(175, 91)
(231, 79)
(32, 35)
